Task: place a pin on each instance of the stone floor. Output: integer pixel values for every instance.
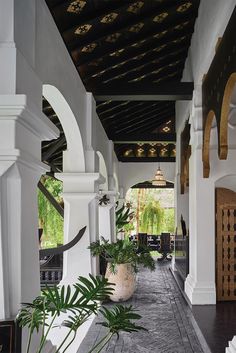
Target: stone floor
(164, 313)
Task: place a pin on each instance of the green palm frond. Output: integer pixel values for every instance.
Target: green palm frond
(93, 289)
(31, 318)
(74, 322)
(120, 318)
(81, 301)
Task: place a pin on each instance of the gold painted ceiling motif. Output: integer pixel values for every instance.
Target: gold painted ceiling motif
(76, 6)
(129, 42)
(184, 7)
(161, 17)
(135, 8)
(109, 18)
(81, 30)
(112, 38)
(137, 27)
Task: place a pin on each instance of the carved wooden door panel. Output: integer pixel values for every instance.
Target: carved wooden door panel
(225, 244)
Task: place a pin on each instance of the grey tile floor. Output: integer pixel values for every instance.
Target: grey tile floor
(164, 313)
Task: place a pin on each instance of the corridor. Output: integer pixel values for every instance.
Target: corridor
(164, 313)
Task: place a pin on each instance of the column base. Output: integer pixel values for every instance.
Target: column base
(232, 346)
(200, 293)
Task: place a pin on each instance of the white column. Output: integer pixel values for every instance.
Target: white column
(22, 128)
(107, 217)
(81, 209)
(200, 283)
(232, 346)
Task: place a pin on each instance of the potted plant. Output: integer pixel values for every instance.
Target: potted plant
(123, 216)
(80, 301)
(123, 258)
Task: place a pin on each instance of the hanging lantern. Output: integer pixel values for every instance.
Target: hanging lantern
(159, 179)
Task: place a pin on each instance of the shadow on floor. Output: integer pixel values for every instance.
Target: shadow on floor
(217, 324)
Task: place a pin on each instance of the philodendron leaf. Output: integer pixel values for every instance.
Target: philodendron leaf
(121, 318)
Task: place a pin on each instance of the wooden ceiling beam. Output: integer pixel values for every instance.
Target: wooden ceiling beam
(153, 119)
(145, 159)
(148, 75)
(125, 43)
(140, 91)
(140, 68)
(60, 13)
(144, 138)
(54, 147)
(128, 113)
(118, 109)
(101, 35)
(158, 111)
(148, 127)
(131, 57)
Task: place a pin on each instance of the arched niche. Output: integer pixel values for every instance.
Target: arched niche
(134, 173)
(73, 157)
(210, 122)
(103, 171)
(225, 110)
(227, 182)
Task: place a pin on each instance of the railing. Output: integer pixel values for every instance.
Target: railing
(50, 276)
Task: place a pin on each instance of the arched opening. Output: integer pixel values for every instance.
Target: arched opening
(152, 208)
(206, 143)
(65, 154)
(225, 110)
(73, 157)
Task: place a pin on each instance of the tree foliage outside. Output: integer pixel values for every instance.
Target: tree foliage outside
(152, 218)
(153, 211)
(49, 219)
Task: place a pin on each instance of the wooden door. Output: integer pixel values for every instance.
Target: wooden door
(225, 244)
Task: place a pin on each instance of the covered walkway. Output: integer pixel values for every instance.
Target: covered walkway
(164, 313)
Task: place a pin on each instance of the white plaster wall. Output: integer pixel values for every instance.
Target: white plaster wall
(212, 20)
(133, 173)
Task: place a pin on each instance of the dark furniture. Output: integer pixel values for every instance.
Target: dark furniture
(182, 255)
(10, 337)
(165, 247)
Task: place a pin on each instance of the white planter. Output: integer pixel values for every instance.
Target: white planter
(124, 279)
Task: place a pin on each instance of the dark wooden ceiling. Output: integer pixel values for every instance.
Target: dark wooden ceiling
(126, 43)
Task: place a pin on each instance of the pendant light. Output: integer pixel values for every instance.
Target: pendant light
(159, 179)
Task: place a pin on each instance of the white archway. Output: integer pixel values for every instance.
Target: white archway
(103, 171)
(73, 157)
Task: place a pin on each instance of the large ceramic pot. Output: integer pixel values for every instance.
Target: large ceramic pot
(124, 279)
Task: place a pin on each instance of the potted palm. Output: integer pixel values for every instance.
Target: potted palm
(80, 301)
(123, 259)
(123, 216)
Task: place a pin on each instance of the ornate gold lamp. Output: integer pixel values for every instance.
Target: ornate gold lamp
(159, 179)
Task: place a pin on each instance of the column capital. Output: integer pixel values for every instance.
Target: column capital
(19, 108)
(79, 182)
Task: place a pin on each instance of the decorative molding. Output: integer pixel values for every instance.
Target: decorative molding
(20, 109)
(232, 346)
(217, 89)
(200, 293)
